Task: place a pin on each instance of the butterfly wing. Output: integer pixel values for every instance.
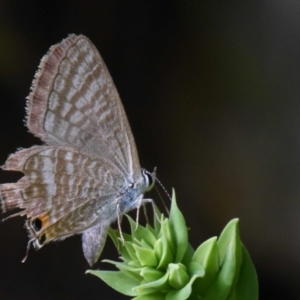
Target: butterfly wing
(74, 103)
(73, 184)
(93, 241)
(63, 192)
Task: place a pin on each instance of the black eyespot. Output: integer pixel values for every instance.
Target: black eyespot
(36, 224)
(42, 239)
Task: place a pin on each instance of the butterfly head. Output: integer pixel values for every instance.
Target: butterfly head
(149, 178)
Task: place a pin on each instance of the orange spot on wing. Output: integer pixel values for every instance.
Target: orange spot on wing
(44, 219)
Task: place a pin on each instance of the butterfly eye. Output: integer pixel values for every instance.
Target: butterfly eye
(150, 179)
(36, 224)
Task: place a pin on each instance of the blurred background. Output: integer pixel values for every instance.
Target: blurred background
(212, 93)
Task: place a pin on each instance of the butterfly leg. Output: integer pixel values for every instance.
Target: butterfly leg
(143, 201)
(119, 224)
(145, 213)
(140, 203)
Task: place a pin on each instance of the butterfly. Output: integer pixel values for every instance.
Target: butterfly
(87, 174)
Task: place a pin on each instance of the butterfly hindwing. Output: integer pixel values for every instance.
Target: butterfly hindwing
(62, 189)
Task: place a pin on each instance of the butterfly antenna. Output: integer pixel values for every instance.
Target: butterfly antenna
(162, 200)
(163, 187)
(160, 196)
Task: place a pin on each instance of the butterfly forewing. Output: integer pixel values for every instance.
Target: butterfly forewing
(74, 103)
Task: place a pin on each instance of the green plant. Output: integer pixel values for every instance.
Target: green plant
(159, 263)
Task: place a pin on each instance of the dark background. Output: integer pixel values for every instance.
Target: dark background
(211, 89)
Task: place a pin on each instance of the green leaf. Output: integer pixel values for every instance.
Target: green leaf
(133, 275)
(207, 254)
(247, 285)
(189, 252)
(124, 266)
(226, 237)
(158, 248)
(166, 256)
(151, 274)
(134, 263)
(150, 287)
(178, 276)
(150, 228)
(151, 296)
(118, 281)
(131, 251)
(139, 232)
(183, 293)
(156, 221)
(166, 231)
(221, 287)
(179, 229)
(145, 256)
(195, 268)
(115, 235)
(238, 255)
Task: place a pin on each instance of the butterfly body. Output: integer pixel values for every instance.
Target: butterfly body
(87, 175)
